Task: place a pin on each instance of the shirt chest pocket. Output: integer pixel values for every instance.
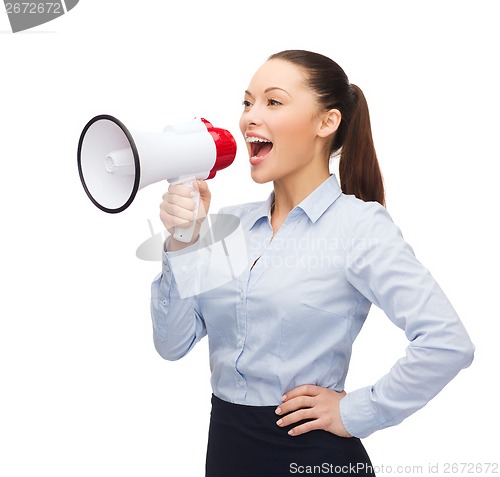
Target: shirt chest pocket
(305, 326)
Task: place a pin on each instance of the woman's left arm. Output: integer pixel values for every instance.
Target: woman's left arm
(388, 274)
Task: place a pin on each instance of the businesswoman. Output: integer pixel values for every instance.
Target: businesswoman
(280, 333)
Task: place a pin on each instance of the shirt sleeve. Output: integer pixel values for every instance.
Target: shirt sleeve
(177, 324)
(383, 268)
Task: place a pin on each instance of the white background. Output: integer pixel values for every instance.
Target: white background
(82, 390)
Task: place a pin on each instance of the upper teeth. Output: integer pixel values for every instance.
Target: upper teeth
(256, 139)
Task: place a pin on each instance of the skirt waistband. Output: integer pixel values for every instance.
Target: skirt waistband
(242, 408)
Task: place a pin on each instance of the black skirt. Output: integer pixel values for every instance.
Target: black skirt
(245, 441)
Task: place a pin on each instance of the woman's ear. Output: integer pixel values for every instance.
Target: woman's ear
(330, 122)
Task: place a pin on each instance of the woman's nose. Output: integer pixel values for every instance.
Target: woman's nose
(252, 117)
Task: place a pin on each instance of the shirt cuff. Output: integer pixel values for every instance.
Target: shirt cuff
(182, 268)
(357, 413)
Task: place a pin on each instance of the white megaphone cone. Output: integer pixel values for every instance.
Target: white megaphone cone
(115, 163)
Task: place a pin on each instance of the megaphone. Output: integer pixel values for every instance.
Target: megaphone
(114, 163)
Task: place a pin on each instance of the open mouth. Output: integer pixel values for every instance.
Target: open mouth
(259, 148)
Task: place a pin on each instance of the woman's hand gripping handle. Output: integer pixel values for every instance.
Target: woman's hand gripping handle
(182, 211)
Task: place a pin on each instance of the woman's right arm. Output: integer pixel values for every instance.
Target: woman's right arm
(177, 325)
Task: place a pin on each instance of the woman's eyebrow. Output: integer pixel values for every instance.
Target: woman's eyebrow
(267, 90)
(276, 87)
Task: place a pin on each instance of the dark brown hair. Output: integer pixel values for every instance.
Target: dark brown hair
(358, 165)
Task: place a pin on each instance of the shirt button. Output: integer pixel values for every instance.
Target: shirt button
(184, 269)
(164, 302)
(240, 383)
(240, 343)
(242, 295)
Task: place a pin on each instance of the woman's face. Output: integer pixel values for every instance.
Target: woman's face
(280, 122)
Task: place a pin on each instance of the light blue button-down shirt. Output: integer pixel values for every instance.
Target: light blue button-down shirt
(291, 316)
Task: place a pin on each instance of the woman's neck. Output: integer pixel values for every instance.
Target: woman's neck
(292, 190)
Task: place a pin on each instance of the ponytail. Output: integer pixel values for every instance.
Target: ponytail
(358, 166)
(359, 170)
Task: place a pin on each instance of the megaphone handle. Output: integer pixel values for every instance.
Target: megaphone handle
(185, 234)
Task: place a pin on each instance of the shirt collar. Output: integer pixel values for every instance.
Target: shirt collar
(314, 205)
(263, 210)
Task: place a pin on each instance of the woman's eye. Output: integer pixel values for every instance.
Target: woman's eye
(273, 102)
(246, 103)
